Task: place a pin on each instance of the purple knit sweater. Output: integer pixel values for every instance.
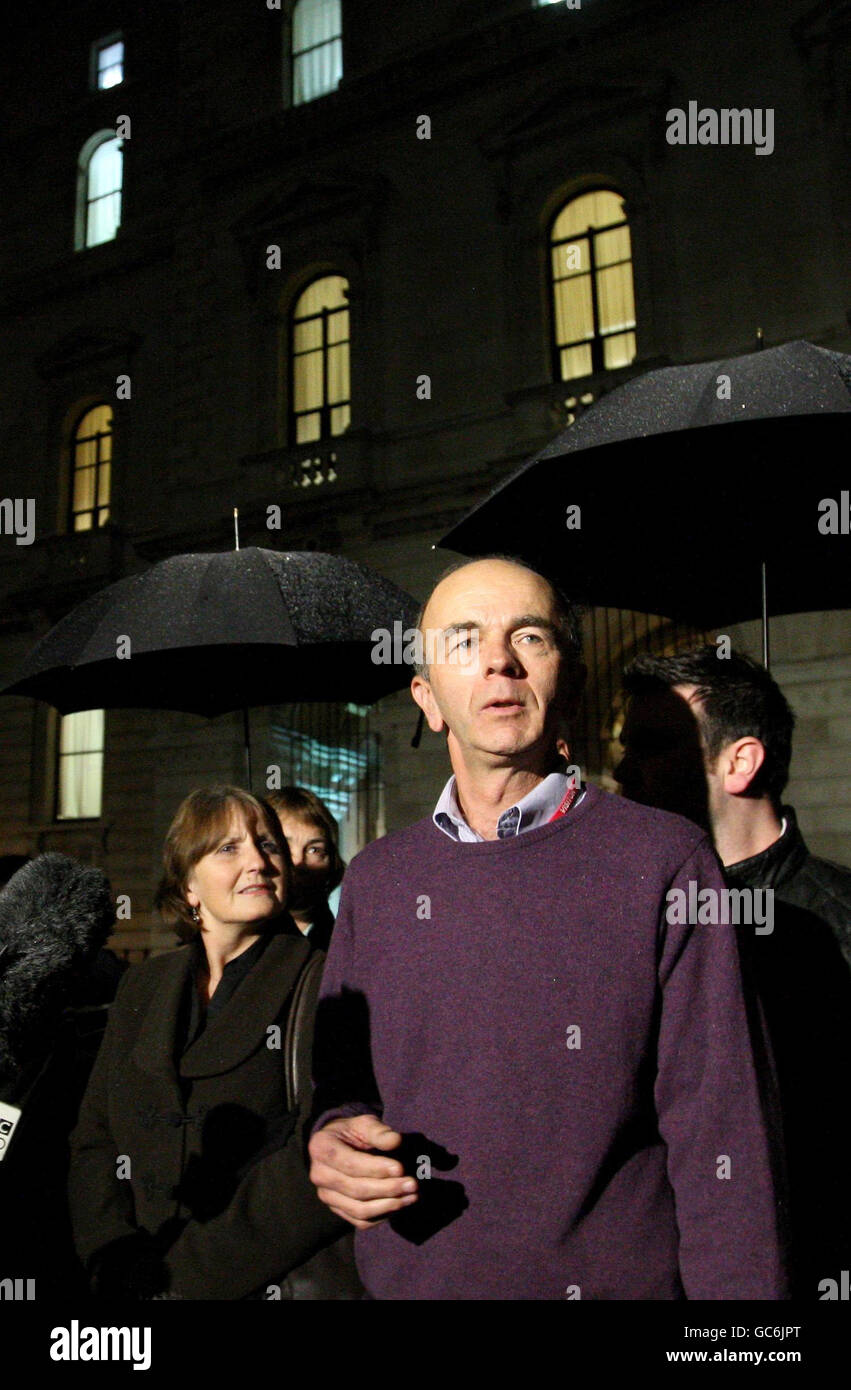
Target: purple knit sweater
(564, 1163)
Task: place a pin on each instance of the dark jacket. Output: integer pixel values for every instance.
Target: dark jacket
(800, 974)
(802, 880)
(216, 1202)
(35, 1229)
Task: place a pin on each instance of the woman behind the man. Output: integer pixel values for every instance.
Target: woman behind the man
(312, 835)
(188, 1174)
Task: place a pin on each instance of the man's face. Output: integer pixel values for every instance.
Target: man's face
(502, 706)
(664, 763)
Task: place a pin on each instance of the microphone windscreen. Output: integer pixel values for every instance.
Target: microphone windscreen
(54, 914)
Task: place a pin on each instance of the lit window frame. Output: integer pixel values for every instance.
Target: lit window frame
(325, 408)
(94, 61)
(97, 522)
(296, 57)
(58, 817)
(81, 220)
(589, 237)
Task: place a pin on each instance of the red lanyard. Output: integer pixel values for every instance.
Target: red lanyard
(562, 810)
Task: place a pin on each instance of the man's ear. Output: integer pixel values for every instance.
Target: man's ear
(740, 763)
(424, 697)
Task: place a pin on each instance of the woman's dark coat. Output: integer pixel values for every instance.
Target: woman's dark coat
(218, 1203)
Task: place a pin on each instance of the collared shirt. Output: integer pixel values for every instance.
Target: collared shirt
(535, 808)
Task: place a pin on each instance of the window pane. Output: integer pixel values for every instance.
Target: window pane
(103, 485)
(614, 298)
(317, 72)
(613, 246)
(573, 309)
(619, 350)
(571, 258)
(80, 764)
(317, 48)
(308, 381)
(338, 374)
(597, 209)
(84, 489)
(82, 732)
(329, 292)
(316, 21)
(340, 417)
(307, 335)
(111, 65)
(80, 780)
(575, 362)
(85, 455)
(98, 420)
(307, 428)
(105, 169)
(338, 326)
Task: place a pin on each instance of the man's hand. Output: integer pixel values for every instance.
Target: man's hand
(360, 1186)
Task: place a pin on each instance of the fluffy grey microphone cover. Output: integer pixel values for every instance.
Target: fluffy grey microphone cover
(54, 914)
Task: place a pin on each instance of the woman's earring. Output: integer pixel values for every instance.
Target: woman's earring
(196, 917)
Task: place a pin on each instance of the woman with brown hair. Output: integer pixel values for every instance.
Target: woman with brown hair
(188, 1175)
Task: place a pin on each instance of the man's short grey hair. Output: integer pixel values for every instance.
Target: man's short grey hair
(568, 613)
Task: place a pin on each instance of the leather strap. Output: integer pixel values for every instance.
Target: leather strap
(298, 1041)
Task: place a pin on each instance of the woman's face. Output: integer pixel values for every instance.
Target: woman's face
(310, 853)
(243, 879)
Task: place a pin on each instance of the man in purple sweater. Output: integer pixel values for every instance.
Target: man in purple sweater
(562, 1068)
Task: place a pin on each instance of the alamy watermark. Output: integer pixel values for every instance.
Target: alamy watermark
(76, 1343)
(436, 646)
(727, 125)
(712, 907)
(17, 518)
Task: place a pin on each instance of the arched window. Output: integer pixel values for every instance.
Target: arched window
(319, 355)
(593, 298)
(317, 48)
(99, 175)
(91, 469)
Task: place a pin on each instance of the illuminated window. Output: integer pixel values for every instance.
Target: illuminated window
(99, 175)
(108, 62)
(79, 775)
(91, 469)
(317, 48)
(592, 287)
(330, 749)
(320, 361)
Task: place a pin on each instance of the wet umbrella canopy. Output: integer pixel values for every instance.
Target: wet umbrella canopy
(210, 633)
(683, 483)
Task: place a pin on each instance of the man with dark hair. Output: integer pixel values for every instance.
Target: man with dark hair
(531, 1083)
(711, 736)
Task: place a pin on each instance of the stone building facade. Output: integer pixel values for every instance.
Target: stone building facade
(427, 178)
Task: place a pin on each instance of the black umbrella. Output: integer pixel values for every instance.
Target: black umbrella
(210, 633)
(692, 484)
